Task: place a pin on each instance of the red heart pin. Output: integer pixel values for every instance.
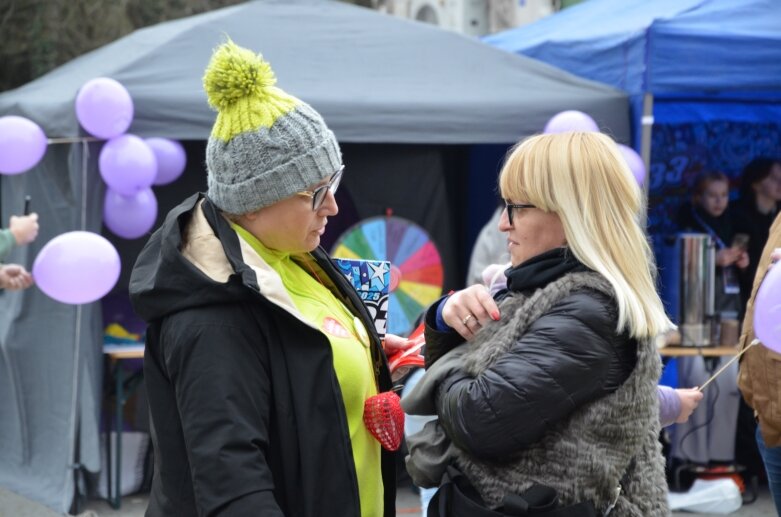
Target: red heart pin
(384, 418)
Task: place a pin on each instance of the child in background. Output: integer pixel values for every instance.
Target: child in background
(709, 436)
(709, 213)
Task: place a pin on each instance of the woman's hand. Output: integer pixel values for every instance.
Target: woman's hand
(466, 311)
(690, 399)
(393, 344)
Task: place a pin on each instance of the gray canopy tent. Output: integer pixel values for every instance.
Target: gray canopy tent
(409, 103)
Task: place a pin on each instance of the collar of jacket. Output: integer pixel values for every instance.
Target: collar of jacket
(212, 246)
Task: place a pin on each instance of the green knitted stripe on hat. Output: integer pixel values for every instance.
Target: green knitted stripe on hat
(240, 87)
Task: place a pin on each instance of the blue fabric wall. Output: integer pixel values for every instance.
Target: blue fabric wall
(691, 136)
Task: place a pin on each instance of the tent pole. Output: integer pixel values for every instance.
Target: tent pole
(646, 128)
(73, 434)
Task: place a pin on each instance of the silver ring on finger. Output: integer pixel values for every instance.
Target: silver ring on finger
(468, 317)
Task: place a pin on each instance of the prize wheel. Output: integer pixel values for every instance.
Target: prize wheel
(416, 267)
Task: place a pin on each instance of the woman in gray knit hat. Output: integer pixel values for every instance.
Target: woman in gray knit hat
(259, 353)
(552, 402)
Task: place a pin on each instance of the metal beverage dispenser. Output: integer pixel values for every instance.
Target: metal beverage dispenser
(688, 278)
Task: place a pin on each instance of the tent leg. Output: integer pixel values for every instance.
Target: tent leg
(646, 129)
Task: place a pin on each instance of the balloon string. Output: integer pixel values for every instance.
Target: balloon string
(755, 342)
(73, 140)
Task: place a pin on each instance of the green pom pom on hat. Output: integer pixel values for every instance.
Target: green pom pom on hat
(239, 84)
(265, 144)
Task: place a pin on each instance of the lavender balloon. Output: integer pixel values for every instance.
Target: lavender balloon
(634, 161)
(127, 165)
(130, 217)
(571, 120)
(171, 159)
(104, 107)
(767, 310)
(77, 267)
(22, 144)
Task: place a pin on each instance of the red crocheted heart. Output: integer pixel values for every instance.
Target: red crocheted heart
(384, 419)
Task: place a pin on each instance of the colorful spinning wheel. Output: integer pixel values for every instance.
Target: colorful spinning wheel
(416, 267)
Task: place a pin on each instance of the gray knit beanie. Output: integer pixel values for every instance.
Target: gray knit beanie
(265, 145)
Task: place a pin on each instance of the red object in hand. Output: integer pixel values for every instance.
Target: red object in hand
(409, 357)
(384, 418)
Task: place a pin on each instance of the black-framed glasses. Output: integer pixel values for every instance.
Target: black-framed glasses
(511, 207)
(318, 194)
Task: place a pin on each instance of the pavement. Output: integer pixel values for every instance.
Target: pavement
(407, 505)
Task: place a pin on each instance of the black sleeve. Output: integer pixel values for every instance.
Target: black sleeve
(565, 359)
(223, 398)
(438, 343)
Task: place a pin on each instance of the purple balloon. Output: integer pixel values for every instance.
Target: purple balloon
(171, 159)
(767, 310)
(130, 217)
(635, 163)
(571, 120)
(77, 267)
(104, 107)
(22, 144)
(127, 165)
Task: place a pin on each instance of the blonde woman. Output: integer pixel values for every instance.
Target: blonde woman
(557, 386)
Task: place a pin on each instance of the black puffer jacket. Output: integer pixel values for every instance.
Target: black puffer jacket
(568, 357)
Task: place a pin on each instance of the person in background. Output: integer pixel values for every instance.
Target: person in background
(760, 375)
(260, 355)
(757, 206)
(709, 213)
(560, 371)
(709, 436)
(676, 405)
(21, 230)
(489, 249)
(14, 277)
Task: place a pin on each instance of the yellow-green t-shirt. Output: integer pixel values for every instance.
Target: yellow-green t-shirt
(352, 362)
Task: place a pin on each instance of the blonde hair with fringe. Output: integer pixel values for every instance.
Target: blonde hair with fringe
(583, 178)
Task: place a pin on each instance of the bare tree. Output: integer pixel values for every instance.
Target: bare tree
(39, 35)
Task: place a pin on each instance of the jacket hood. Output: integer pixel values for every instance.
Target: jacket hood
(195, 259)
(167, 278)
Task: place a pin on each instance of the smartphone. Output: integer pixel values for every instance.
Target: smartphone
(740, 241)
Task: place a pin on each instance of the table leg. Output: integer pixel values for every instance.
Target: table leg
(120, 404)
(109, 455)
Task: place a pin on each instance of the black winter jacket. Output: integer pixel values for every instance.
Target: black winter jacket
(247, 413)
(569, 356)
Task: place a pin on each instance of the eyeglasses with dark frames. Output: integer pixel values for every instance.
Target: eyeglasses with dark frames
(511, 207)
(318, 194)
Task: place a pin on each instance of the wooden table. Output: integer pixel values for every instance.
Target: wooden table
(123, 390)
(705, 351)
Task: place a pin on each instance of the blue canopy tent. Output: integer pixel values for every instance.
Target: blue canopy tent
(706, 74)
